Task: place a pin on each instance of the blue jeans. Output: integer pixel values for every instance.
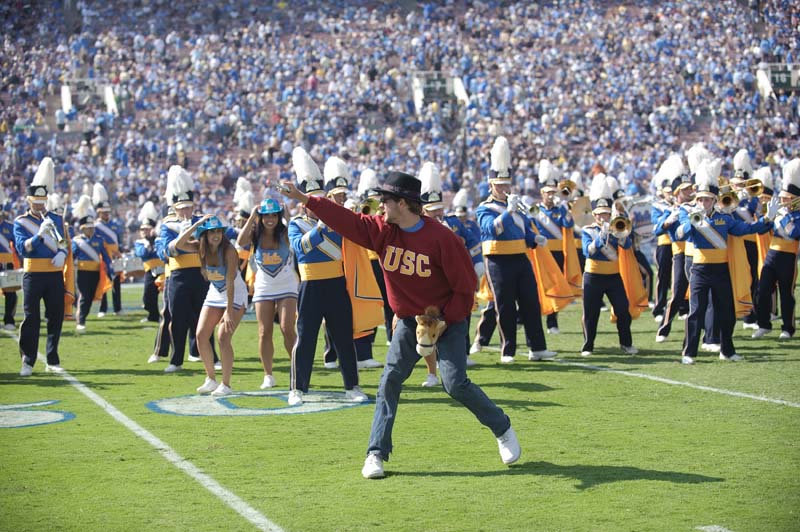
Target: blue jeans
(452, 356)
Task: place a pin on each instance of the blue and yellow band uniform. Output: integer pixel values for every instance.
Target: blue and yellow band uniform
(145, 249)
(89, 253)
(7, 262)
(111, 232)
(505, 239)
(747, 212)
(710, 275)
(602, 277)
(659, 212)
(780, 267)
(680, 280)
(42, 281)
(322, 294)
(550, 223)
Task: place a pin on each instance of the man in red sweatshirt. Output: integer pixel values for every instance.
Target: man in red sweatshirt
(415, 252)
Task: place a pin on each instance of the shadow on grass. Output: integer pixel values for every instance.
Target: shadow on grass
(587, 475)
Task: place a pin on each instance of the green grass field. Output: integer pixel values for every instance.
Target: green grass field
(602, 450)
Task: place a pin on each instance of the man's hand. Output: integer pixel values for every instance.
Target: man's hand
(288, 189)
(772, 209)
(45, 226)
(513, 203)
(672, 218)
(59, 259)
(540, 240)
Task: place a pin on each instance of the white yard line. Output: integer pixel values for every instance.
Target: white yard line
(226, 496)
(671, 382)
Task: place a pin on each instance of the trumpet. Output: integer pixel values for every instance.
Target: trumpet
(566, 187)
(696, 216)
(369, 206)
(754, 187)
(728, 201)
(620, 226)
(533, 210)
(52, 230)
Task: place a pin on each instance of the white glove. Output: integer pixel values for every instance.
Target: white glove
(45, 226)
(672, 218)
(540, 240)
(321, 225)
(743, 194)
(513, 203)
(772, 209)
(480, 269)
(58, 259)
(604, 230)
(184, 225)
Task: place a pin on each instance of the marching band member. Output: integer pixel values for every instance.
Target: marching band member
(323, 290)
(145, 249)
(40, 239)
(555, 223)
(709, 230)
(659, 212)
(370, 204)
(163, 341)
(110, 231)
(187, 287)
(243, 201)
(780, 266)
(94, 264)
(505, 235)
(747, 211)
(8, 261)
(431, 197)
(602, 245)
(265, 236)
(224, 302)
(683, 194)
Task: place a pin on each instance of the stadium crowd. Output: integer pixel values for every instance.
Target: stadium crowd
(230, 90)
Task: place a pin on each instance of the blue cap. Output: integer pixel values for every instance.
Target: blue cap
(208, 225)
(269, 206)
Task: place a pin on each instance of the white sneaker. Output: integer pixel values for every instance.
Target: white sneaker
(209, 385)
(153, 359)
(331, 365)
(785, 335)
(222, 390)
(373, 467)
(269, 382)
(191, 358)
(25, 370)
(660, 339)
(629, 349)
(369, 363)
(506, 359)
(710, 348)
(687, 360)
(80, 328)
(733, 358)
(544, 354)
(430, 381)
(509, 446)
(172, 368)
(586, 353)
(475, 348)
(553, 330)
(471, 362)
(218, 365)
(143, 320)
(658, 319)
(753, 326)
(356, 395)
(295, 398)
(101, 314)
(55, 368)
(760, 332)
(10, 327)
(683, 317)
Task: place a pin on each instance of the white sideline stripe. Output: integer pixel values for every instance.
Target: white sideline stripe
(712, 528)
(225, 495)
(663, 380)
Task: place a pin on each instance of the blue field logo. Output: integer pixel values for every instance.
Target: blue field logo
(205, 405)
(23, 415)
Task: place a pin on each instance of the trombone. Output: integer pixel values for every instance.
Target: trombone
(565, 188)
(754, 187)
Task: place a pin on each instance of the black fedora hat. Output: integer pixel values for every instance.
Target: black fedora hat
(402, 185)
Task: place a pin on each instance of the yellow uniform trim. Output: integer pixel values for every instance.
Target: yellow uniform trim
(678, 248)
(710, 256)
(88, 266)
(189, 260)
(504, 247)
(40, 265)
(579, 243)
(749, 238)
(783, 244)
(664, 240)
(605, 267)
(152, 263)
(111, 249)
(554, 245)
(317, 271)
(6, 257)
